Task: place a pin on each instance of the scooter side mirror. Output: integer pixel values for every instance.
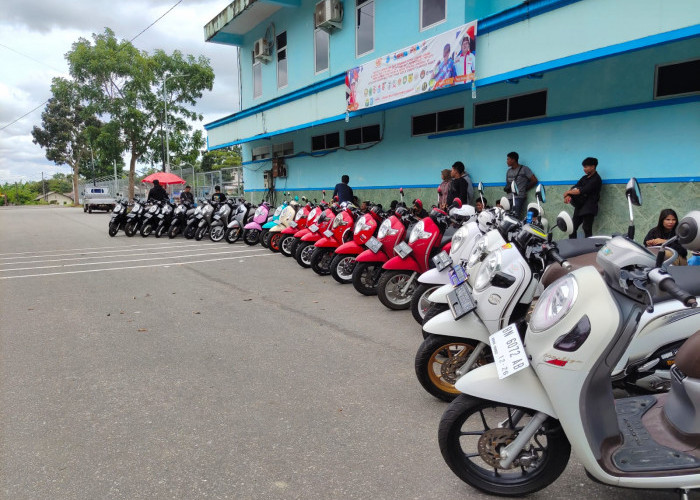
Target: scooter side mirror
(634, 194)
(505, 204)
(514, 188)
(540, 193)
(565, 223)
(688, 231)
(480, 188)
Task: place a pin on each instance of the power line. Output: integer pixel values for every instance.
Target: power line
(29, 57)
(46, 101)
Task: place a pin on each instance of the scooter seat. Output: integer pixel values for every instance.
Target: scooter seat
(688, 356)
(687, 278)
(569, 248)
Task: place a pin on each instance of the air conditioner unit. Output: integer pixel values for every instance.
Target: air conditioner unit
(328, 15)
(261, 50)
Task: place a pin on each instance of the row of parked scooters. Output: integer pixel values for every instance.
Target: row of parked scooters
(540, 346)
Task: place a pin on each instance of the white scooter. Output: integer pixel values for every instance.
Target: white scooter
(512, 430)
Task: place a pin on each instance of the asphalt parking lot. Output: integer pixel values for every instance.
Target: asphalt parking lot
(153, 368)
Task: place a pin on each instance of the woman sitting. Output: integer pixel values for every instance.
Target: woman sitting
(664, 231)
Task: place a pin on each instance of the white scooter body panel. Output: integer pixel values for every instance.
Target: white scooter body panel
(467, 327)
(439, 296)
(435, 277)
(523, 388)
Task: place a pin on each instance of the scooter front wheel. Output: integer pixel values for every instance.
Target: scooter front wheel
(265, 238)
(342, 267)
(113, 228)
(233, 234)
(216, 233)
(419, 301)
(146, 230)
(472, 433)
(173, 230)
(365, 277)
(438, 359)
(200, 233)
(320, 261)
(303, 254)
(287, 244)
(130, 229)
(275, 241)
(160, 230)
(394, 290)
(251, 236)
(190, 231)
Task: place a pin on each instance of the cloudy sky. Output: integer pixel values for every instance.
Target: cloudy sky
(35, 35)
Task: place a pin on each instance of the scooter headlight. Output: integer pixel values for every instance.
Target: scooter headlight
(459, 238)
(478, 251)
(487, 271)
(554, 303)
(208, 209)
(287, 214)
(258, 212)
(360, 225)
(338, 221)
(419, 233)
(153, 209)
(312, 214)
(386, 230)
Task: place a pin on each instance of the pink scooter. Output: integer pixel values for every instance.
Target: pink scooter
(252, 230)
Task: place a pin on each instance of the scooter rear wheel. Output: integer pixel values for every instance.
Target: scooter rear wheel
(420, 303)
(342, 267)
(389, 289)
(437, 360)
(472, 431)
(365, 277)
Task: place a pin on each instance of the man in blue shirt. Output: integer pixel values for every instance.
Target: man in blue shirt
(342, 190)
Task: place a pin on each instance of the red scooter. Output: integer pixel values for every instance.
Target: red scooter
(427, 238)
(286, 239)
(343, 262)
(368, 266)
(338, 233)
(305, 247)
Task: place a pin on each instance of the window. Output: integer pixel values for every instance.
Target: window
(282, 60)
(262, 153)
(321, 49)
(677, 79)
(257, 79)
(432, 12)
(362, 135)
(364, 38)
(442, 121)
(511, 109)
(327, 141)
(283, 149)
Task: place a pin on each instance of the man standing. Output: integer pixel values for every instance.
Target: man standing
(584, 197)
(342, 190)
(186, 196)
(157, 193)
(524, 179)
(461, 186)
(218, 196)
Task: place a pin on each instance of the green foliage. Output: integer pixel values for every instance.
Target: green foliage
(126, 85)
(221, 158)
(20, 193)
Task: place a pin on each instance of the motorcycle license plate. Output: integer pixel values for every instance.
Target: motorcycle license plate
(293, 224)
(374, 244)
(402, 249)
(313, 228)
(508, 351)
(460, 301)
(442, 261)
(328, 234)
(457, 275)
(160, 216)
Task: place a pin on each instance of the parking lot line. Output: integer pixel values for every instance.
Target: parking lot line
(47, 253)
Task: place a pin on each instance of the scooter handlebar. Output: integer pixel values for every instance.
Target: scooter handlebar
(669, 286)
(553, 253)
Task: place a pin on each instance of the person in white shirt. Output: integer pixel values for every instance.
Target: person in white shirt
(464, 60)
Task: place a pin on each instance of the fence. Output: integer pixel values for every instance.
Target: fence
(230, 179)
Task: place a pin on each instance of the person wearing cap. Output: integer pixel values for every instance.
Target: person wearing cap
(186, 196)
(418, 209)
(157, 193)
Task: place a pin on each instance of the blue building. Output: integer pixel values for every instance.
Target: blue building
(556, 81)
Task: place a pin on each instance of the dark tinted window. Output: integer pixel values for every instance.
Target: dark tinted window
(371, 134)
(353, 136)
(318, 142)
(333, 140)
(490, 112)
(452, 119)
(424, 124)
(676, 79)
(527, 106)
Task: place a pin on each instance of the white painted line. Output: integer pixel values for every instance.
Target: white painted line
(170, 264)
(160, 252)
(123, 261)
(165, 244)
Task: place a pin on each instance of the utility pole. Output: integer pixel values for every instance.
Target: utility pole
(43, 187)
(116, 182)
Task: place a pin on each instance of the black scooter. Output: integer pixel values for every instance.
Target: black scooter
(118, 219)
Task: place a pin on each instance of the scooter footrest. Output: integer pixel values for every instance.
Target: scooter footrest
(639, 452)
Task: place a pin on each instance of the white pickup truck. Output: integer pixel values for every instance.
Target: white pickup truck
(97, 198)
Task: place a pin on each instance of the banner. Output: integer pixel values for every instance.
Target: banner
(441, 61)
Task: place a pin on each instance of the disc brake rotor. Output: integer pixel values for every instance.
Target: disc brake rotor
(492, 442)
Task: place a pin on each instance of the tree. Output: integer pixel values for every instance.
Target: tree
(126, 84)
(221, 158)
(64, 128)
(59, 183)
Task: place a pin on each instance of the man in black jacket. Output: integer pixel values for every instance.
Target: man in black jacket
(460, 186)
(584, 197)
(157, 193)
(186, 196)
